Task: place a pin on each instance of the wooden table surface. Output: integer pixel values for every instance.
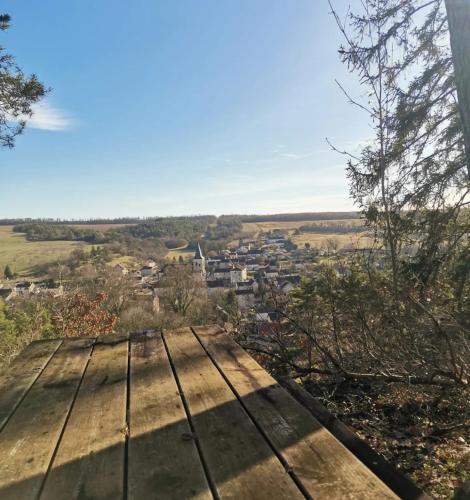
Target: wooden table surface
(181, 414)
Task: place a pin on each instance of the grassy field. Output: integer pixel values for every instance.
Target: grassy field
(125, 260)
(318, 240)
(175, 254)
(342, 240)
(23, 255)
(250, 227)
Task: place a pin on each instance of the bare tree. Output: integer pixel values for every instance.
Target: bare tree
(180, 288)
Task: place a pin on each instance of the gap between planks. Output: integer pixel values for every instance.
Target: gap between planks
(324, 466)
(249, 469)
(283, 461)
(11, 399)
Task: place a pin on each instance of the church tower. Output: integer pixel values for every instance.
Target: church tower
(199, 262)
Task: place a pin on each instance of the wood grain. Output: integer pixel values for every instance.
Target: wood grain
(163, 460)
(89, 462)
(17, 379)
(28, 441)
(240, 461)
(323, 465)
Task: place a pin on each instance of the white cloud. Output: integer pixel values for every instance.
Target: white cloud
(48, 117)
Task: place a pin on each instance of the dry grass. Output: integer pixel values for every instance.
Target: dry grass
(126, 260)
(23, 255)
(249, 227)
(342, 240)
(318, 240)
(175, 254)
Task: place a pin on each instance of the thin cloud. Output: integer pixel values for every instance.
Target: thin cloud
(293, 156)
(48, 117)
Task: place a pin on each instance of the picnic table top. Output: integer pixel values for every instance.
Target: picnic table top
(178, 414)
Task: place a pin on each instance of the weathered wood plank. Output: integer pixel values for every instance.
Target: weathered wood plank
(163, 460)
(397, 482)
(324, 466)
(28, 441)
(240, 461)
(89, 462)
(17, 378)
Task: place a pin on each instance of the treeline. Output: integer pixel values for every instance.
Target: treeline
(330, 228)
(188, 228)
(227, 227)
(58, 221)
(53, 232)
(29, 220)
(172, 229)
(139, 220)
(300, 217)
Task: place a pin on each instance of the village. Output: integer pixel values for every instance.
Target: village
(250, 271)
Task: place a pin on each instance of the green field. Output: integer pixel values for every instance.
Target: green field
(177, 252)
(23, 255)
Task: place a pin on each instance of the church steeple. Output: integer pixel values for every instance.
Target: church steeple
(198, 254)
(199, 262)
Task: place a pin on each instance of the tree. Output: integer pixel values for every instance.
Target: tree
(18, 94)
(229, 307)
(401, 312)
(412, 180)
(8, 273)
(458, 16)
(181, 287)
(79, 316)
(8, 337)
(29, 319)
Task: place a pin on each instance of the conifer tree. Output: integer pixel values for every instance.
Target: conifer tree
(18, 94)
(458, 16)
(8, 273)
(412, 180)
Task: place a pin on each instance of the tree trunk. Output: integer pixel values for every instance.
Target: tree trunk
(458, 15)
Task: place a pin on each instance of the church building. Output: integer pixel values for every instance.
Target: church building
(199, 262)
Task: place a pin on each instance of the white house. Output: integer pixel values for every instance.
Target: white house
(238, 273)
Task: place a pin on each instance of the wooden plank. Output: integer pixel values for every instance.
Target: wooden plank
(28, 441)
(239, 460)
(89, 462)
(323, 465)
(399, 483)
(17, 379)
(163, 459)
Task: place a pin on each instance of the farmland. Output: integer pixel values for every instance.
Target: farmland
(348, 240)
(177, 252)
(23, 255)
(249, 227)
(315, 239)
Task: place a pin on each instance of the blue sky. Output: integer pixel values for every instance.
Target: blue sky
(179, 107)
